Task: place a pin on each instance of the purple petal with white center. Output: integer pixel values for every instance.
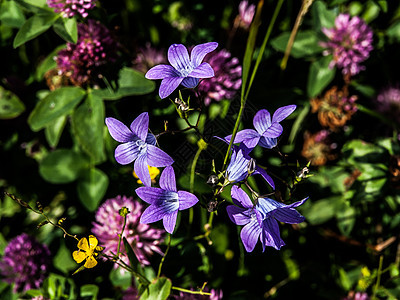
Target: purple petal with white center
(262, 120)
(157, 157)
(270, 235)
(283, 112)
(167, 179)
(238, 215)
(200, 51)
(142, 170)
(178, 57)
(126, 153)
(152, 195)
(190, 82)
(151, 139)
(156, 212)
(265, 175)
(186, 200)
(169, 221)
(161, 72)
(273, 131)
(250, 234)
(140, 126)
(268, 143)
(119, 131)
(239, 197)
(202, 71)
(249, 137)
(168, 85)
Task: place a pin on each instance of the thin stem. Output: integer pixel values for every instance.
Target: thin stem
(120, 236)
(193, 168)
(378, 279)
(163, 258)
(191, 292)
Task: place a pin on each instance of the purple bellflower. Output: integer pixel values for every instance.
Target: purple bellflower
(267, 130)
(165, 201)
(184, 70)
(260, 220)
(242, 165)
(138, 145)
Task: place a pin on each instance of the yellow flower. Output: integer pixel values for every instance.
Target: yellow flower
(153, 174)
(87, 251)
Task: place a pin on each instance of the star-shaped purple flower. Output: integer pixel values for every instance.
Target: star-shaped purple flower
(242, 165)
(165, 201)
(138, 145)
(267, 130)
(260, 220)
(184, 70)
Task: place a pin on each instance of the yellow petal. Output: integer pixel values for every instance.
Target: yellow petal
(93, 242)
(83, 244)
(79, 256)
(90, 262)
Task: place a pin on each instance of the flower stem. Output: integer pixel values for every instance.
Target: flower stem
(378, 279)
(163, 258)
(191, 292)
(120, 236)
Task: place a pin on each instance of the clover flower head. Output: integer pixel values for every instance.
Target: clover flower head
(350, 43)
(70, 8)
(246, 13)
(267, 129)
(143, 239)
(242, 165)
(184, 70)
(148, 57)
(166, 201)
(25, 263)
(138, 145)
(388, 102)
(227, 79)
(260, 219)
(84, 61)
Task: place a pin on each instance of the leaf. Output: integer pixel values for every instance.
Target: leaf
(305, 44)
(48, 63)
(62, 166)
(322, 16)
(299, 122)
(10, 105)
(134, 262)
(67, 29)
(89, 290)
(121, 280)
(92, 186)
(54, 130)
(56, 104)
(322, 210)
(158, 290)
(11, 14)
(346, 219)
(35, 6)
(87, 125)
(33, 27)
(63, 259)
(130, 82)
(320, 76)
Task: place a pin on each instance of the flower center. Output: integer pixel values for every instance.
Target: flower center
(141, 145)
(186, 70)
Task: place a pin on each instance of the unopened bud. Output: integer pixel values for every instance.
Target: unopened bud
(123, 212)
(42, 224)
(251, 167)
(213, 180)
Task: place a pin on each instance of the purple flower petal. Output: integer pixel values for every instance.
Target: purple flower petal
(178, 56)
(202, 71)
(161, 72)
(270, 235)
(265, 175)
(239, 197)
(190, 82)
(249, 137)
(167, 179)
(156, 212)
(200, 51)
(157, 157)
(238, 215)
(282, 113)
(142, 170)
(273, 131)
(250, 234)
(126, 153)
(119, 131)
(151, 195)
(168, 85)
(268, 143)
(151, 139)
(186, 200)
(262, 120)
(140, 126)
(169, 221)
(288, 215)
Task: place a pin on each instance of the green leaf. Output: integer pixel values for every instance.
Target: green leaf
(346, 219)
(63, 259)
(322, 16)
(48, 63)
(359, 151)
(305, 44)
(134, 262)
(92, 186)
(62, 166)
(89, 290)
(10, 105)
(67, 29)
(371, 11)
(56, 104)
(35, 6)
(130, 82)
(320, 76)
(393, 32)
(87, 125)
(54, 130)
(11, 14)
(33, 27)
(322, 210)
(118, 279)
(158, 290)
(299, 122)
